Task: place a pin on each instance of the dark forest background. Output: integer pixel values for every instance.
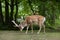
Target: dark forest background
(16, 9)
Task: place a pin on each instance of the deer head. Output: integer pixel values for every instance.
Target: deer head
(21, 25)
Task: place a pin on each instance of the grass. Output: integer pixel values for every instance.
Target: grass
(17, 35)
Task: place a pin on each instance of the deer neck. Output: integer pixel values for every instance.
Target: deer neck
(25, 23)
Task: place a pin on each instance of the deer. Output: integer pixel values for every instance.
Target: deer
(29, 21)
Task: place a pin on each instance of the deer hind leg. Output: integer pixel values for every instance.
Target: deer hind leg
(44, 27)
(40, 27)
(27, 29)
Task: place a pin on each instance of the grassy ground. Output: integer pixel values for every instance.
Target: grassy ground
(17, 35)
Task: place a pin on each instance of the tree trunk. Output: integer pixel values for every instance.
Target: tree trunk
(12, 10)
(11, 13)
(1, 15)
(16, 2)
(29, 2)
(6, 12)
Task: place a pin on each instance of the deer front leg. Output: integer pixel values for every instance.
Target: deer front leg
(27, 29)
(31, 27)
(44, 28)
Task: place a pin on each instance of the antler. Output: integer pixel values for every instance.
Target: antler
(15, 23)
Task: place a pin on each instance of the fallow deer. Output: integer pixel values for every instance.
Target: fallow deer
(30, 20)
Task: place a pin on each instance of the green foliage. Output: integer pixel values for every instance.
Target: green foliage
(49, 8)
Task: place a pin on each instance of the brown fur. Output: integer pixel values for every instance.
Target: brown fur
(38, 19)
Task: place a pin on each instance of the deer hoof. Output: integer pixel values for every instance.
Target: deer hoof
(26, 32)
(37, 32)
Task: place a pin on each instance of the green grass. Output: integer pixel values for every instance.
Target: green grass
(17, 35)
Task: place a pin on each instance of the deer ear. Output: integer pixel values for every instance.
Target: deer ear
(21, 17)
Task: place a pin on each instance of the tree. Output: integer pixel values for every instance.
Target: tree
(29, 2)
(12, 10)
(16, 3)
(6, 12)
(1, 15)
